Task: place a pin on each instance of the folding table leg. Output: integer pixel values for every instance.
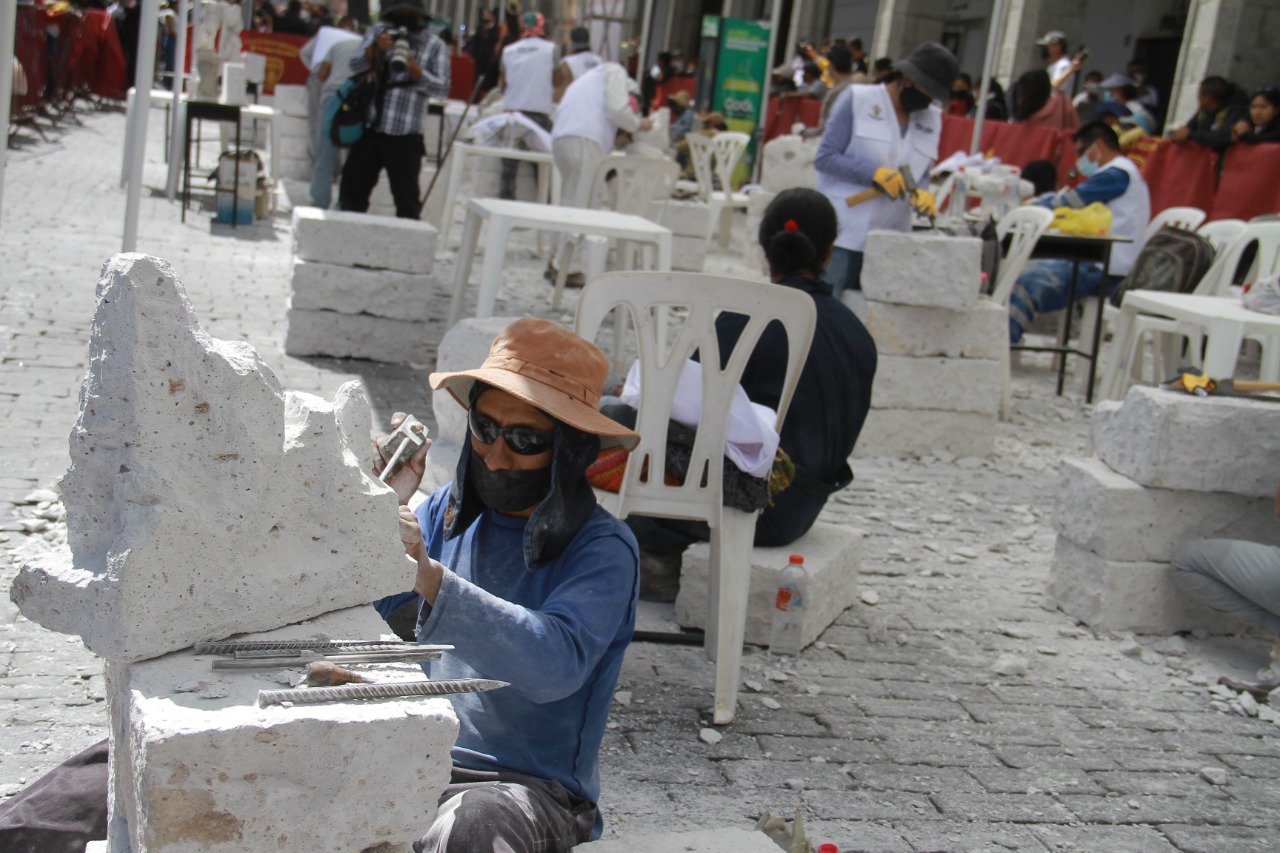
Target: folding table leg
(462, 270)
(495, 252)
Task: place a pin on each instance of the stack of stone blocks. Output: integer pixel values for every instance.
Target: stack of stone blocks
(293, 134)
(1170, 468)
(687, 221)
(362, 287)
(939, 378)
(204, 501)
(788, 163)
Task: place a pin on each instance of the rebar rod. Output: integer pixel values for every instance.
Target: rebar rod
(356, 692)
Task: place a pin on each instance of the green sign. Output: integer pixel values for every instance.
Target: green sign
(740, 70)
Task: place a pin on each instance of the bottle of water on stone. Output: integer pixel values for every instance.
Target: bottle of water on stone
(788, 608)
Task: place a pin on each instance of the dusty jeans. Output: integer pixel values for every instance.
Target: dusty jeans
(1241, 579)
(506, 813)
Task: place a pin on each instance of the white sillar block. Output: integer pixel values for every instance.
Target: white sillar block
(291, 100)
(1172, 440)
(944, 384)
(360, 240)
(293, 128)
(203, 500)
(788, 162)
(832, 556)
(1117, 519)
(352, 290)
(683, 218)
(463, 347)
(1111, 595)
(727, 840)
(981, 332)
(337, 335)
(209, 770)
(688, 253)
(920, 432)
(922, 268)
(297, 170)
(292, 149)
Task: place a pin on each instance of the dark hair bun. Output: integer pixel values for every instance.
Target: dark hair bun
(797, 231)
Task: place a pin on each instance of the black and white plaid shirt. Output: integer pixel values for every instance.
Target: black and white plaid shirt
(404, 102)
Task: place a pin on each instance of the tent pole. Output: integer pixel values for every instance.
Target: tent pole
(138, 121)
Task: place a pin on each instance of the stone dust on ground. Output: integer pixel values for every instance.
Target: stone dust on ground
(946, 710)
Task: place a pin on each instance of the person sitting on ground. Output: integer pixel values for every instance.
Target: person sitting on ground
(1221, 106)
(830, 403)
(1263, 124)
(1241, 579)
(532, 582)
(1112, 179)
(1037, 103)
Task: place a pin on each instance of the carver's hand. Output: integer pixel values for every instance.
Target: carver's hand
(429, 573)
(925, 203)
(890, 182)
(405, 481)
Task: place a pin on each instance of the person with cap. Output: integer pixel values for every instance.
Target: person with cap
(393, 138)
(1112, 179)
(1062, 68)
(532, 582)
(1120, 89)
(578, 61)
(840, 67)
(873, 134)
(594, 108)
(528, 66)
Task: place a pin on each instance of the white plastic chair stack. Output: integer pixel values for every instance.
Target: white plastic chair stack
(714, 159)
(700, 497)
(1026, 224)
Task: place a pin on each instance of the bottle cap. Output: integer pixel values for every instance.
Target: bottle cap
(797, 558)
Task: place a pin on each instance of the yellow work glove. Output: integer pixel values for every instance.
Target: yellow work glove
(890, 182)
(925, 203)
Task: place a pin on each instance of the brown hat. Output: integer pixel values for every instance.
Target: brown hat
(550, 367)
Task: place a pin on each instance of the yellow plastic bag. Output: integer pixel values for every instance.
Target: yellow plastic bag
(1093, 220)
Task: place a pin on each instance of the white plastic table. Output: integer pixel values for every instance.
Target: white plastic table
(505, 216)
(548, 185)
(1225, 322)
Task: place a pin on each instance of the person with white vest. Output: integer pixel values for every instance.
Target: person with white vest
(594, 108)
(873, 134)
(527, 69)
(1114, 180)
(578, 61)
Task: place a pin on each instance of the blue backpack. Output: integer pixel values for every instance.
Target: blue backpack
(346, 117)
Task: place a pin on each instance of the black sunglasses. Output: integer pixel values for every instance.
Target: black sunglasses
(523, 440)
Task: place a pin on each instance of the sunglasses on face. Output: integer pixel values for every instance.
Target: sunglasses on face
(523, 440)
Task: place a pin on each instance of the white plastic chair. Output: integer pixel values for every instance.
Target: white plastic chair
(700, 497)
(714, 158)
(1186, 218)
(1026, 224)
(631, 185)
(1221, 233)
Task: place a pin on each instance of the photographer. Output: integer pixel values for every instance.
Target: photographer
(411, 65)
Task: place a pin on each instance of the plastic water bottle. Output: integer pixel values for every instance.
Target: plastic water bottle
(788, 608)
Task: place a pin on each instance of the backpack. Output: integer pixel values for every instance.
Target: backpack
(1173, 260)
(347, 116)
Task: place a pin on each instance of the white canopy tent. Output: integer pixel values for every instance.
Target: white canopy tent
(137, 131)
(988, 62)
(8, 34)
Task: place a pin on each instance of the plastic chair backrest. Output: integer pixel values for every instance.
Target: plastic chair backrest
(727, 149)
(1186, 218)
(1218, 277)
(700, 155)
(1026, 224)
(633, 184)
(704, 297)
(1222, 233)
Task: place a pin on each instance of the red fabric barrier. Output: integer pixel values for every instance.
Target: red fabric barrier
(957, 133)
(784, 112)
(1250, 182)
(1180, 174)
(462, 76)
(810, 111)
(105, 58)
(1019, 144)
(281, 51)
(29, 50)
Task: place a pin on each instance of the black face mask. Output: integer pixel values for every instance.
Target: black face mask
(509, 490)
(913, 99)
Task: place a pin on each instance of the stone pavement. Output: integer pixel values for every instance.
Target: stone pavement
(954, 713)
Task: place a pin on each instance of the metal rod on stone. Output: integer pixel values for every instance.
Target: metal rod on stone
(231, 647)
(304, 657)
(356, 692)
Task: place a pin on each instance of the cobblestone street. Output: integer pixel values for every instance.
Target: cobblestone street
(953, 712)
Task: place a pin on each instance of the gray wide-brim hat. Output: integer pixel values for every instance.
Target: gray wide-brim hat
(932, 68)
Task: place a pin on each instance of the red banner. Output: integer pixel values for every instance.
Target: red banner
(281, 51)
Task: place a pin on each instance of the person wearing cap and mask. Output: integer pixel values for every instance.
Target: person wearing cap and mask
(1062, 68)
(594, 108)
(528, 66)
(393, 141)
(532, 583)
(1120, 89)
(578, 61)
(872, 133)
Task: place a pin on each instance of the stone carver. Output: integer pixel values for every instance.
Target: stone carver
(533, 583)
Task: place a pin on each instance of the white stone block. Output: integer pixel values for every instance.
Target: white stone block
(463, 347)
(728, 840)
(1111, 595)
(293, 128)
(920, 432)
(758, 202)
(487, 179)
(291, 100)
(981, 332)
(683, 218)
(1117, 519)
(337, 335)
(922, 268)
(1202, 444)
(832, 556)
(442, 463)
(688, 253)
(360, 240)
(353, 290)
(293, 148)
(788, 162)
(203, 500)
(943, 384)
(209, 770)
(296, 170)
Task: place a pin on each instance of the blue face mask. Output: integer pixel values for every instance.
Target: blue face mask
(1086, 167)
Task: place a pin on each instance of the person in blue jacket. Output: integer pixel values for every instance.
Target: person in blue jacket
(533, 583)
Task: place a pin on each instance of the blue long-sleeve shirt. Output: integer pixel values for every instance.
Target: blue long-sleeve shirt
(1106, 185)
(833, 157)
(557, 634)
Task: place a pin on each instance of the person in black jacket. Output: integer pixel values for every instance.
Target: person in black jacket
(1221, 106)
(1263, 123)
(831, 400)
